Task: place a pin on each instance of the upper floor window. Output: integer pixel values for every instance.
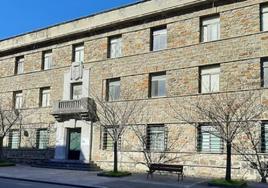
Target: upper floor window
(47, 60)
(210, 79)
(264, 18)
(45, 97)
(19, 66)
(115, 47)
(208, 140)
(42, 139)
(156, 138)
(18, 99)
(210, 28)
(76, 91)
(113, 89)
(78, 53)
(157, 85)
(159, 39)
(264, 73)
(14, 139)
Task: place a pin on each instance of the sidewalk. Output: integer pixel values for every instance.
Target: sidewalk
(90, 179)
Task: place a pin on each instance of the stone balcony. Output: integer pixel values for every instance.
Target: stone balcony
(80, 109)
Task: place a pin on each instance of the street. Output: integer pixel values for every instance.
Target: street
(6, 183)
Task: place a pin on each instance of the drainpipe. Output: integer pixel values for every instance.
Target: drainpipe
(91, 140)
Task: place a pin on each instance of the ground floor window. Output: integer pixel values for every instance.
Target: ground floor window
(14, 139)
(156, 137)
(208, 140)
(107, 140)
(264, 137)
(42, 139)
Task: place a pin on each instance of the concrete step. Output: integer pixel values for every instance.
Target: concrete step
(68, 165)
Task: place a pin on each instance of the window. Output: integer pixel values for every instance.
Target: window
(264, 18)
(207, 140)
(113, 89)
(210, 79)
(14, 139)
(107, 141)
(18, 99)
(78, 53)
(156, 137)
(264, 137)
(42, 139)
(159, 39)
(44, 97)
(210, 29)
(115, 47)
(157, 85)
(19, 67)
(264, 73)
(47, 60)
(76, 91)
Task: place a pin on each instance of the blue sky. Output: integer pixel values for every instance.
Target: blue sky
(20, 16)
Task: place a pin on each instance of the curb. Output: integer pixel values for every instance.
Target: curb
(49, 182)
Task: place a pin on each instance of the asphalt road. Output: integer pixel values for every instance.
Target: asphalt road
(6, 183)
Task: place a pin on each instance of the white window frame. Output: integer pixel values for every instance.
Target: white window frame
(47, 60)
(210, 79)
(14, 139)
(206, 136)
(210, 25)
(79, 53)
(264, 18)
(156, 135)
(159, 37)
(42, 138)
(20, 65)
(18, 97)
(115, 47)
(158, 77)
(45, 97)
(73, 85)
(114, 89)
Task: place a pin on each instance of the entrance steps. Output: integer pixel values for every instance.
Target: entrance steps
(68, 165)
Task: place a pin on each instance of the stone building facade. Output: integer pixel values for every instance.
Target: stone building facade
(166, 44)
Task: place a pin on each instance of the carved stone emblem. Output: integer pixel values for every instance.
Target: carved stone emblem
(77, 71)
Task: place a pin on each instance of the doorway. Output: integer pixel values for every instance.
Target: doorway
(74, 143)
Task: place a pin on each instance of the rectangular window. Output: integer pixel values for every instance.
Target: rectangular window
(210, 29)
(264, 73)
(115, 47)
(18, 99)
(264, 18)
(19, 66)
(107, 140)
(44, 97)
(42, 139)
(113, 89)
(78, 53)
(47, 60)
(156, 138)
(14, 139)
(207, 139)
(159, 39)
(157, 85)
(210, 79)
(76, 91)
(264, 137)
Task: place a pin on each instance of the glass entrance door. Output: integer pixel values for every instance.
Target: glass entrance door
(74, 144)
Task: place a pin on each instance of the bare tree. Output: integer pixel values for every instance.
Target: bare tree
(115, 116)
(250, 147)
(9, 117)
(228, 114)
(170, 152)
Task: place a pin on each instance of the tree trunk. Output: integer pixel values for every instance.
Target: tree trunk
(115, 157)
(228, 161)
(263, 179)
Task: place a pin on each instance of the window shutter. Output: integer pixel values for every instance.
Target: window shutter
(199, 139)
